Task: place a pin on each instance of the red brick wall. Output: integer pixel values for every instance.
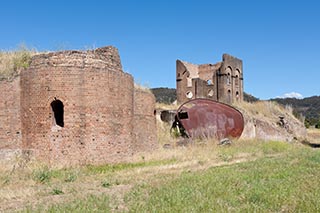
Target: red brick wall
(105, 119)
(98, 107)
(10, 125)
(144, 128)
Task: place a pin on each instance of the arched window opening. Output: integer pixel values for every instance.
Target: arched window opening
(228, 79)
(237, 77)
(229, 96)
(237, 95)
(237, 80)
(57, 108)
(209, 82)
(228, 72)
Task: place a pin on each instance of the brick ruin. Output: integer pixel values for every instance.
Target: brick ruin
(76, 107)
(222, 81)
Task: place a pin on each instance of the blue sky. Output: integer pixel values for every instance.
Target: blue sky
(278, 40)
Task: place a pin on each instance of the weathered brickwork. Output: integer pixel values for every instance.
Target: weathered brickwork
(79, 108)
(144, 121)
(222, 81)
(10, 122)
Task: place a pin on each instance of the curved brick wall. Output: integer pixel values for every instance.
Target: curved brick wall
(144, 130)
(98, 107)
(10, 125)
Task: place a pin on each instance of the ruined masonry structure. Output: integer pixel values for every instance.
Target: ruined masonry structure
(222, 81)
(76, 107)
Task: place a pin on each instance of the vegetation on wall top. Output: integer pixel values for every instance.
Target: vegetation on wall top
(11, 62)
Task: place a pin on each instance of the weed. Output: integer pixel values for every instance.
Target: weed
(56, 191)
(225, 157)
(70, 177)
(106, 184)
(42, 175)
(5, 180)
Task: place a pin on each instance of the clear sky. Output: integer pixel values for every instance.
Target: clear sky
(278, 40)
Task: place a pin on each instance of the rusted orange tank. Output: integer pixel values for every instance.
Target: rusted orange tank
(211, 119)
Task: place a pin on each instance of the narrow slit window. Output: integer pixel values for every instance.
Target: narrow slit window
(57, 108)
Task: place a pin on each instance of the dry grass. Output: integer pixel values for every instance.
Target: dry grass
(11, 62)
(265, 109)
(140, 87)
(164, 106)
(314, 135)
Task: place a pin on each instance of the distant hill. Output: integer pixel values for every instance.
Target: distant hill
(308, 107)
(164, 95)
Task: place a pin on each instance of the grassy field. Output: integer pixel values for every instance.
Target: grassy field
(247, 176)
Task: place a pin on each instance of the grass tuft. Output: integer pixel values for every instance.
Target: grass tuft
(56, 191)
(70, 176)
(42, 175)
(12, 62)
(106, 184)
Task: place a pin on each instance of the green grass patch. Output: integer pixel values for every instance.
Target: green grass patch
(42, 175)
(274, 147)
(90, 204)
(123, 166)
(272, 184)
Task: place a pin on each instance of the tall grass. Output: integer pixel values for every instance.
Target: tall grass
(12, 61)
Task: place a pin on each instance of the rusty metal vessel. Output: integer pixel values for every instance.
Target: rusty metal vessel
(204, 118)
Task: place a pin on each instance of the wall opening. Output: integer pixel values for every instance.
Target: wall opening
(210, 93)
(57, 108)
(229, 96)
(189, 94)
(228, 78)
(228, 75)
(237, 78)
(237, 81)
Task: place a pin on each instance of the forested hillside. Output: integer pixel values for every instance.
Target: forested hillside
(308, 107)
(164, 95)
